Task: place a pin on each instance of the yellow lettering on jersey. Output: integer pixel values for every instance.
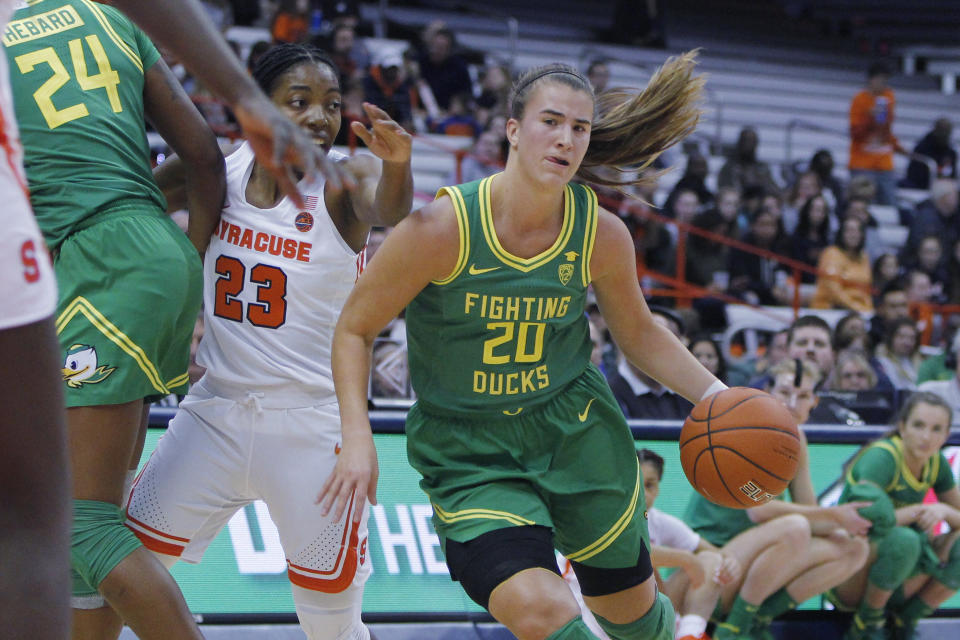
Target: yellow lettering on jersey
(522, 308)
(511, 384)
(33, 27)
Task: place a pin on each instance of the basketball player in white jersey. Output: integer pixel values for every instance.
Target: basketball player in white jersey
(34, 510)
(263, 422)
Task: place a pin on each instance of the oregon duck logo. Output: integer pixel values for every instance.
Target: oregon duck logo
(80, 367)
(566, 272)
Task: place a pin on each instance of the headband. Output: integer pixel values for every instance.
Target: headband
(546, 73)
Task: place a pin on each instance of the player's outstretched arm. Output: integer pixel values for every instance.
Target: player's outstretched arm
(183, 27)
(648, 345)
(399, 272)
(175, 118)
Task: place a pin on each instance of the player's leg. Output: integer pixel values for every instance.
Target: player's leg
(770, 554)
(695, 605)
(294, 450)
(926, 592)
(603, 530)
(93, 618)
(35, 514)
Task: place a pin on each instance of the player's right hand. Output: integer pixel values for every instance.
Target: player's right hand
(729, 571)
(281, 146)
(849, 518)
(355, 474)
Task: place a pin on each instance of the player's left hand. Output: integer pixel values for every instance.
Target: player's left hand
(728, 572)
(355, 474)
(385, 138)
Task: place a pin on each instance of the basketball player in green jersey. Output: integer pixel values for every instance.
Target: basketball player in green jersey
(911, 570)
(519, 440)
(84, 77)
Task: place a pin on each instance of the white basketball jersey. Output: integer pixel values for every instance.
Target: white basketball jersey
(275, 281)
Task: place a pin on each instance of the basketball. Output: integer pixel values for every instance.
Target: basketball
(740, 447)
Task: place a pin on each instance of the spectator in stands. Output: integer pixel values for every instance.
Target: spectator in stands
(443, 69)
(685, 206)
(728, 205)
(892, 306)
(919, 287)
(458, 119)
(934, 146)
(953, 274)
(494, 91)
(908, 556)
(807, 338)
(348, 52)
(931, 259)
(811, 235)
(816, 547)
(387, 86)
(639, 395)
(822, 164)
(743, 170)
(598, 73)
(693, 179)
(949, 389)
(851, 332)
(806, 186)
(705, 349)
(852, 373)
(291, 22)
(872, 143)
(483, 160)
(886, 269)
(845, 277)
(935, 217)
(899, 353)
(753, 277)
(651, 238)
(706, 257)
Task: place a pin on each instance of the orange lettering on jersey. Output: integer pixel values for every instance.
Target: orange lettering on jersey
(28, 256)
(262, 242)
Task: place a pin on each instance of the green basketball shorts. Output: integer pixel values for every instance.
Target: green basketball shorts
(130, 291)
(569, 463)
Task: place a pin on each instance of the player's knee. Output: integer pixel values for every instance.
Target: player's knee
(330, 616)
(950, 571)
(656, 624)
(897, 554)
(710, 561)
(793, 531)
(543, 613)
(856, 550)
(602, 581)
(483, 563)
(99, 541)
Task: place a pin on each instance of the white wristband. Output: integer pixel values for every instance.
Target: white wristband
(714, 388)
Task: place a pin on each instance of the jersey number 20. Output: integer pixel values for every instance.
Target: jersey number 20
(269, 311)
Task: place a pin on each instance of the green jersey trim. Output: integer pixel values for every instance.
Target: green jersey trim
(614, 532)
(490, 233)
(460, 209)
(479, 514)
(589, 236)
(83, 306)
(117, 40)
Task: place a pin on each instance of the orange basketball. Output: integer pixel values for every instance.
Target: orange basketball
(740, 447)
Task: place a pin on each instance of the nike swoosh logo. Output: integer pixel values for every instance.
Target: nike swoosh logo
(336, 449)
(583, 416)
(475, 272)
(514, 412)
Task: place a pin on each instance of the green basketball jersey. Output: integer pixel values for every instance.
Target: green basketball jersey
(717, 524)
(882, 463)
(502, 333)
(77, 71)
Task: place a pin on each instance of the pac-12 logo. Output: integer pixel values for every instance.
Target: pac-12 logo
(80, 367)
(303, 222)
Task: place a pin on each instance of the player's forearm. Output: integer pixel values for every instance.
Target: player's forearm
(183, 27)
(661, 356)
(394, 196)
(351, 373)
(669, 557)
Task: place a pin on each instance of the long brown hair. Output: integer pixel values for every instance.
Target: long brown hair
(631, 127)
